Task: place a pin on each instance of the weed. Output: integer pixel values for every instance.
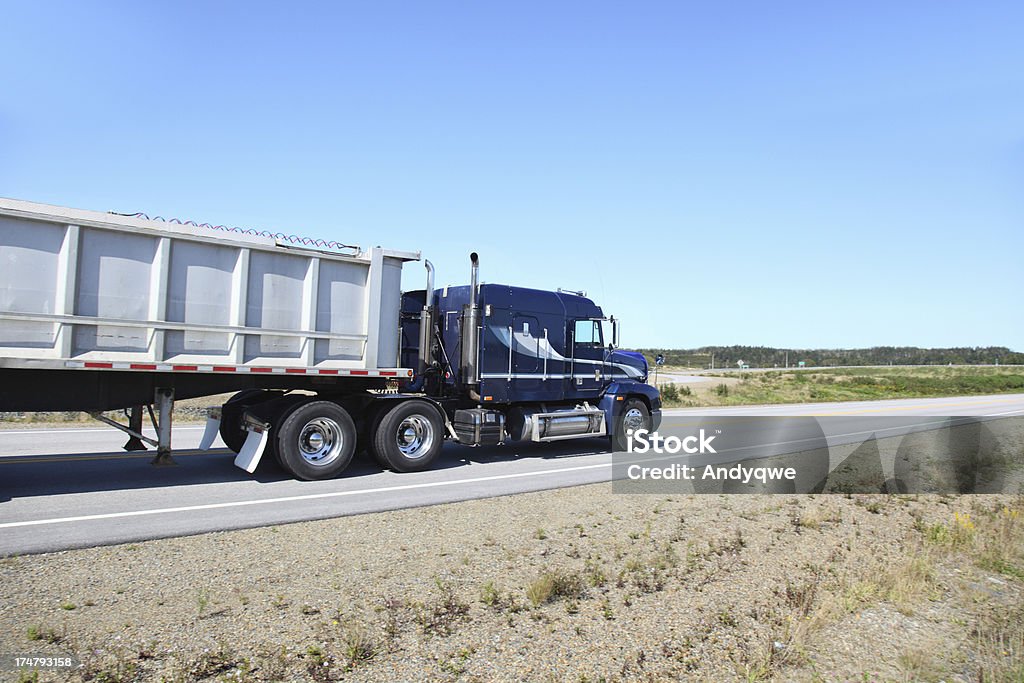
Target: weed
(440, 616)
(40, 633)
(456, 664)
(118, 665)
(392, 609)
(357, 645)
(490, 596)
(554, 585)
(202, 601)
(319, 665)
(647, 576)
(727, 619)
(540, 590)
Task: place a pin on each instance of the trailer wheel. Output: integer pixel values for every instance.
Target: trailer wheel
(634, 416)
(316, 440)
(409, 436)
(231, 432)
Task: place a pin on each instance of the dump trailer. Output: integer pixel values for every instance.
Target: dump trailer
(324, 354)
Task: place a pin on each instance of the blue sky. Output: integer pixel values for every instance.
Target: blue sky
(787, 174)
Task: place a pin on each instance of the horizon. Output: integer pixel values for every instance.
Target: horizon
(833, 348)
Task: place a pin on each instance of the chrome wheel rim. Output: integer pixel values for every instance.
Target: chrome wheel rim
(321, 441)
(634, 419)
(415, 436)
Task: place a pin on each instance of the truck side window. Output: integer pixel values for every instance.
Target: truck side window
(587, 333)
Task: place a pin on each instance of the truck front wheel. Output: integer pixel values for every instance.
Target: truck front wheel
(635, 415)
(316, 440)
(409, 436)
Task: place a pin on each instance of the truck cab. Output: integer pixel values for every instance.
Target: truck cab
(543, 365)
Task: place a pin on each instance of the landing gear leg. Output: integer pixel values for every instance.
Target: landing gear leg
(134, 443)
(164, 402)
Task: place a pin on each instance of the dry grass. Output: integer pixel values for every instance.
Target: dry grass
(849, 384)
(999, 639)
(991, 536)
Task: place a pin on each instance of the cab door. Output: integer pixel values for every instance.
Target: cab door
(525, 361)
(588, 364)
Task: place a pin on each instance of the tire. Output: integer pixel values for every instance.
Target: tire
(231, 432)
(409, 437)
(316, 440)
(635, 415)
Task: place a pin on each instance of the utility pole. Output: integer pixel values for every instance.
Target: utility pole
(787, 359)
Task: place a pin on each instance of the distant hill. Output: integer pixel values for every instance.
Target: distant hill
(767, 357)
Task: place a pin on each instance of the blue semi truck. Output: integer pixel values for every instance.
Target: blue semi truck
(322, 352)
(493, 364)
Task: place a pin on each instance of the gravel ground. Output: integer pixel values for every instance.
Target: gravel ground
(568, 585)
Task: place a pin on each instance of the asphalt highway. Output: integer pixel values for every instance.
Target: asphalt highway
(67, 487)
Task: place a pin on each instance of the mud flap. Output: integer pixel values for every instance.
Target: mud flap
(249, 457)
(212, 430)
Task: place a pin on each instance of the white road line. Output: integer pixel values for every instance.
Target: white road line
(289, 499)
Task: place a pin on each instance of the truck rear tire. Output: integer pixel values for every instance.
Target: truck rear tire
(635, 415)
(316, 440)
(409, 437)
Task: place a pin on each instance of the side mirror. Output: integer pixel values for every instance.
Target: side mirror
(615, 333)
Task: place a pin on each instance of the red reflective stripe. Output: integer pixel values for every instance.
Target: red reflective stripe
(224, 368)
(295, 371)
(260, 370)
(328, 372)
(185, 368)
(388, 373)
(360, 372)
(142, 366)
(89, 364)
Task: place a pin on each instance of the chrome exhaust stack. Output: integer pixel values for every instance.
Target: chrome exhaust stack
(426, 323)
(470, 332)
